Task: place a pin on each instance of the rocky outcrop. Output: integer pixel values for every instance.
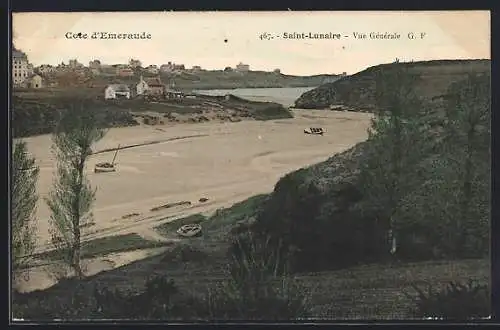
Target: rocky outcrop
(358, 91)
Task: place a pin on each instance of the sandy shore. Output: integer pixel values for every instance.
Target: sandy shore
(224, 162)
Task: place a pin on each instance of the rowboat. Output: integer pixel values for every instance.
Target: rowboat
(314, 130)
(106, 167)
(190, 230)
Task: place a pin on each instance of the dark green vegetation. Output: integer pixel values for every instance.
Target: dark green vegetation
(321, 245)
(358, 90)
(24, 177)
(454, 300)
(106, 245)
(38, 112)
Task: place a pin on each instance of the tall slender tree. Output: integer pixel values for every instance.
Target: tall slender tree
(71, 199)
(23, 205)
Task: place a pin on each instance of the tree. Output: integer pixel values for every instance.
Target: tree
(24, 199)
(71, 200)
(394, 135)
(468, 113)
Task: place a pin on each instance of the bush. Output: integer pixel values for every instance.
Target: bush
(258, 287)
(185, 253)
(457, 301)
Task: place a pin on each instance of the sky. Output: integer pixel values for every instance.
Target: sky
(215, 40)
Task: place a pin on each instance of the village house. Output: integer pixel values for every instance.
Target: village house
(45, 69)
(196, 68)
(116, 91)
(124, 72)
(242, 67)
(134, 63)
(166, 67)
(150, 86)
(74, 64)
(21, 68)
(153, 69)
(95, 64)
(179, 67)
(34, 81)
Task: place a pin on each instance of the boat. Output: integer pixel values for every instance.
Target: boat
(106, 167)
(314, 130)
(190, 230)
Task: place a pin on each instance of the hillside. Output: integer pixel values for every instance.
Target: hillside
(36, 112)
(251, 79)
(204, 79)
(359, 90)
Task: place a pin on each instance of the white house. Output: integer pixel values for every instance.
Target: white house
(153, 69)
(242, 67)
(142, 87)
(117, 91)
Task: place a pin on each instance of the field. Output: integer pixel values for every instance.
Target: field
(223, 162)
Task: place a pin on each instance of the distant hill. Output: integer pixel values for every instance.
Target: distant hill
(250, 79)
(358, 90)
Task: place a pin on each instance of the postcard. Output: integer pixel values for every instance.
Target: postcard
(250, 166)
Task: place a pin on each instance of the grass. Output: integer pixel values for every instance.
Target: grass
(106, 245)
(222, 217)
(237, 212)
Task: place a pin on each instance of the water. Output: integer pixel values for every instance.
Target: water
(285, 96)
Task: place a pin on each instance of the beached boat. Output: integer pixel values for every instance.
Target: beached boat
(314, 130)
(190, 230)
(106, 167)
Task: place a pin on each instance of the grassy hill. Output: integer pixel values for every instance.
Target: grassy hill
(36, 112)
(251, 79)
(358, 90)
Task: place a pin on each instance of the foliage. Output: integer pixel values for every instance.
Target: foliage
(457, 301)
(258, 287)
(24, 199)
(253, 291)
(71, 199)
(409, 181)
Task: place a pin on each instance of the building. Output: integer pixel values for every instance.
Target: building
(21, 69)
(74, 64)
(117, 91)
(45, 69)
(150, 86)
(167, 67)
(35, 81)
(153, 69)
(124, 72)
(95, 64)
(242, 67)
(141, 87)
(134, 63)
(179, 67)
(155, 86)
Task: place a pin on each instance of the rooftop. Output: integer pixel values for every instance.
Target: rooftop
(119, 87)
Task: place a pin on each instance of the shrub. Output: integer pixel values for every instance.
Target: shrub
(258, 287)
(457, 301)
(185, 253)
